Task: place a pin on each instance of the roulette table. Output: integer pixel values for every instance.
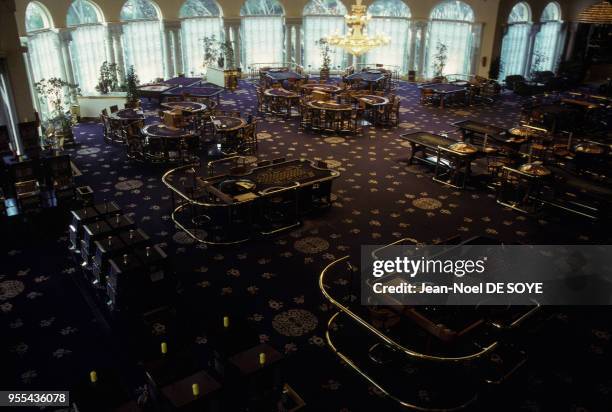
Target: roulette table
(223, 124)
(372, 100)
(163, 131)
(282, 75)
(329, 105)
(183, 81)
(154, 90)
(327, 88)
(228, 209)
(199, 89)
(280, 93)
(281, 101)
(444, 90)
(189, 107)
(127, 115)
(370, 76)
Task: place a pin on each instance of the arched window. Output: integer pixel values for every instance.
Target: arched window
(142, 39)
(262, 32)
(546, 47)
(43, 46)
(88, 46)
(37, 17)
(199, 19)
(322, 18)
(391, 18)
(516, 41)
(450, 25)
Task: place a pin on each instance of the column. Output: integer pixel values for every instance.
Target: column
(420, 45)
(172, 51)
(115, 30)
(412, 46)
(298, 45)
(571, 42)
(535, 28)
(65, 37)
(232, 30)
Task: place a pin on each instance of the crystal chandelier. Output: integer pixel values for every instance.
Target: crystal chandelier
(356, 41)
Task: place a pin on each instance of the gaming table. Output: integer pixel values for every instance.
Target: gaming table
(444, 90)
(451, 159)
(232, 208)
(198, 89)
(127, 115)
(282, 75)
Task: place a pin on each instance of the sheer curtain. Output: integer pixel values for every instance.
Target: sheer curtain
(88, 51)
(192, 32)
(396, 52)
(457, 36)
(315, 28)
(142, 45)
(546, 45)
(262, 39)
(514, 50)
(45, 55)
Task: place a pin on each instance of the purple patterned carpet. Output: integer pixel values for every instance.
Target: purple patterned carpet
(50, 336)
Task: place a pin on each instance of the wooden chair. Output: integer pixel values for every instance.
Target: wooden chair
(5, 141)
(30, 139)
(427, 96)
(134, 140)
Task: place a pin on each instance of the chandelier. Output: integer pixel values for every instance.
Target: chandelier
(600, 13)
(356, 41)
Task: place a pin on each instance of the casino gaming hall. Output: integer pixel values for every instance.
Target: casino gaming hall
(305, 205)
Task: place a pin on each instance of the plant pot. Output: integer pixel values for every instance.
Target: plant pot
(324, 74)
(64, 138)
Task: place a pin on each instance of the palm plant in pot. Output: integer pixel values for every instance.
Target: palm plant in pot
(57, 126)
(232, 72)
(211, 53)
(325, 58)
(131, 87)
(440, 58)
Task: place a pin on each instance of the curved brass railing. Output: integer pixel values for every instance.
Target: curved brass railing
(391, 342)
(405, 404)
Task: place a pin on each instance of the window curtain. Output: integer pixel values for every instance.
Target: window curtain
(546, 45)
(315, 28)
(457, 36)
(142, 45)
(45, 57)
(262, 39)
(193, 32)
(514, 50)
(396, 52)
(88, 51)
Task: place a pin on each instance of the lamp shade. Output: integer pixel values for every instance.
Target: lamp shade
(599, 13)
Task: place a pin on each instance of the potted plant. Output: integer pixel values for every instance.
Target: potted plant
(57, 126)
(440, 60)
(232, 73)
(210, 51)
(131, 87)
(108, 79)
(326, 58)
